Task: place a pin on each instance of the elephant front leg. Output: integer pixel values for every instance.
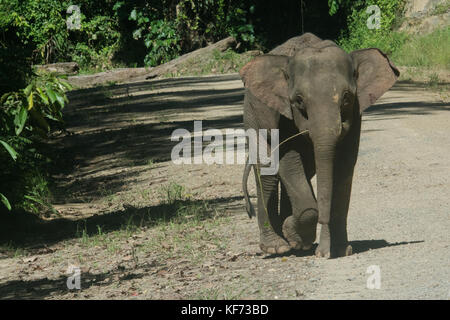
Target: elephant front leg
(268, 220)
(338, 228)
(333, 236)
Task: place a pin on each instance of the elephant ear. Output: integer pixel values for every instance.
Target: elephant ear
(375, 74)
(266, 78)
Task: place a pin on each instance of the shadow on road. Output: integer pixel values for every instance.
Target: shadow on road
(405, 108)
(358, 246)
(113, 134)
(387, 110)
(44, 287)
(24, 230)
(138, 86)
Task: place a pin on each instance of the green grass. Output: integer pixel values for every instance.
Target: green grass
(433, 80)
(219, 293)
(38, 196)
(442, 8)
(110, 240)
(172, 192)
(176, 238)
(151, 163)
(10, 250)
(432, 50)
(178, 206)
(176, 212)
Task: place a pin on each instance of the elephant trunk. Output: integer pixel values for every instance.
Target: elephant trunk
(325, 155)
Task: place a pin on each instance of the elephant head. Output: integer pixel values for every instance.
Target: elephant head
(323, 90)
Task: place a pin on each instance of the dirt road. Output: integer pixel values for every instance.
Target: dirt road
(117, 167)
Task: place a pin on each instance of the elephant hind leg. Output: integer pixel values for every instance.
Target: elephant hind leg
(271, 240)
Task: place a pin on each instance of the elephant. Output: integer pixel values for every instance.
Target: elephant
(314, 91)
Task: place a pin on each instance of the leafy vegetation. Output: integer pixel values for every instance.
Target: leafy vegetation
(359, 35)
(160, 38)
(156, 30)
(431, 50)
(26, 116)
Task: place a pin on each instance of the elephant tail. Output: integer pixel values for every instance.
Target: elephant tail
(248, 205)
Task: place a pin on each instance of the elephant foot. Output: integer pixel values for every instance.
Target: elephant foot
(291, 234)
(342, 250)
(273, 244)
(323, 251)
(301, 233)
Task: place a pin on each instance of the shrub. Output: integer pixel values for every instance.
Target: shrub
(360, 36)
(25, 116)
(95, 43)
(160, 37)
(38, 24)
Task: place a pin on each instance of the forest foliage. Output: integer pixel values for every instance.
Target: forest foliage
(37, 32)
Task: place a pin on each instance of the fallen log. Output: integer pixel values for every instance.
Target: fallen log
(141, 74)
(171, 66)
(60, 68)
(111, 76)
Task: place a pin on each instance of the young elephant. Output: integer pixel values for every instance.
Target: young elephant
(311, 85)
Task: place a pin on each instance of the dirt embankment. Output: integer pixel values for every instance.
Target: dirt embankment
(424, 16)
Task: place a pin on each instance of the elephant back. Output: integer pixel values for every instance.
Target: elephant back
(294, 44)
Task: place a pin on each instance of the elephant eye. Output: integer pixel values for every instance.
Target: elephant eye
(299, 103)
(347, 99)
(347, 106)
(304, 113)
